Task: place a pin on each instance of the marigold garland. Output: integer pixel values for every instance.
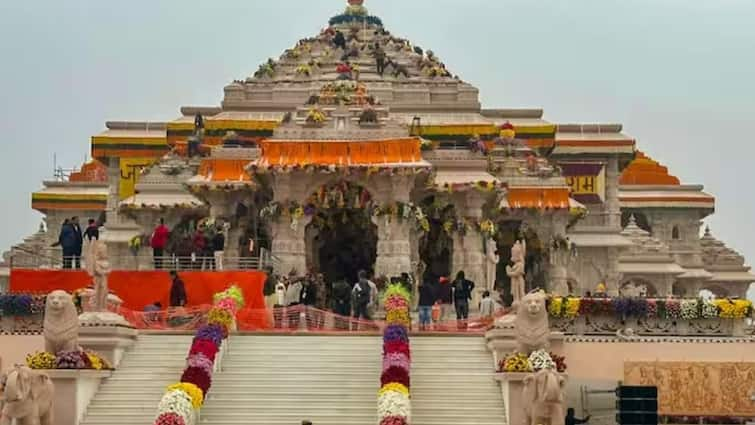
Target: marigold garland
(394, 387)
(398, 317)
(221, 317)
(196, 394)
(516, 363)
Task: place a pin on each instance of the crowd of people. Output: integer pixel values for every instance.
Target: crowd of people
(356, 304)
(201, 250)
(71, 240)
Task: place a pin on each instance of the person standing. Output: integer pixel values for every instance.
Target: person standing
(293, 299)
(199, 248)
(426, 301)
(67, 242)
(309, 301)
(362, 294)
(177, 291)
(92, 232)
(462, 293)
(158, 241)
(380, 55)
(218, 248)
(78, 247)
(341, 303)
(280, 303)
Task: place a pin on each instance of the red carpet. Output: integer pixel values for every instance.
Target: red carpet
(141, 288)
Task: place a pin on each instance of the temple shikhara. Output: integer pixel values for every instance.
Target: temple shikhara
(359, 150)
(375, 156)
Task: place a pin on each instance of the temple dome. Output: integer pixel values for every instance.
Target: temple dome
(645, 171)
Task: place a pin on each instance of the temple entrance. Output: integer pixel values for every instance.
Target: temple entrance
(341, 238)
(436, 246)
(510, 231)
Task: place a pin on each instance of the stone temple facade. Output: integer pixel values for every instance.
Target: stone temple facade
(357, 149)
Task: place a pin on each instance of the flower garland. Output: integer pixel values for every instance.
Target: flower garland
(403, 211)
(666, 309)
(394, 402)
(538, 360)
(181, 400)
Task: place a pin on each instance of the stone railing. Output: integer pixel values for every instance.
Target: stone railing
(612, 325)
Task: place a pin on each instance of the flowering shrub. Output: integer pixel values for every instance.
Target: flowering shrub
(212, 333)
(199, 377)
(515, 363)
(221, 317)
(21, 305)
(177, 402)
(708, 310)
(540, 360)
(734, 309)
(394, 420)
(560, 362)
(395, 333)
(568, 308)
(41, 360)
(193, 391)
(72, 360)
(689, 310)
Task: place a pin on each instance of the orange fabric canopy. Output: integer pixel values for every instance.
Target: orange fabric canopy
(138, 289)
(556, 198)
(224, 170)
(344, 153)
(645, 171)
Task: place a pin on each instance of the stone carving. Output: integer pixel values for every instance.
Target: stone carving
(516, 272)
(543, 398)
(98, 267)
(697, 388)
(491, 263)
(61, 324)
(531, 323)
(28, 398)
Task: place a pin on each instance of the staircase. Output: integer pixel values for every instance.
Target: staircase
(277, 380)
(131, 395)
(282, 380)
(452, 382)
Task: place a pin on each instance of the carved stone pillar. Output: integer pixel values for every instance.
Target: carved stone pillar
(289, 244)
(394, 236)
(118, 230)
(393, 247)
(613, 206)
(469, 250)
(613, 276)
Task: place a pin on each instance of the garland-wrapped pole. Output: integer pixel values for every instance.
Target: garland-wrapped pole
(394, 402)
(181, 403)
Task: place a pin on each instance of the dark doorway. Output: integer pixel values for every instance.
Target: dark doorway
(345, 242)
(436, 245)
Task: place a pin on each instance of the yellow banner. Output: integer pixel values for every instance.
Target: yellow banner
(131, 169)
(588, 185)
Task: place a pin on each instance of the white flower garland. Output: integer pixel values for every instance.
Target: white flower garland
(177, 402)
(710, 310)
(689, 310)
(540, 360)
(393, 403)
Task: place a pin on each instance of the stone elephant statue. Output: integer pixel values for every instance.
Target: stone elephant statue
(28, 398)
(543, 398)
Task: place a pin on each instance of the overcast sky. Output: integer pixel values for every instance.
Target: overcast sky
(678, 74)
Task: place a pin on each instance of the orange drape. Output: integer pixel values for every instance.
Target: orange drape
(291, 153)
(224, 169)
(141, 288)
(538, 198)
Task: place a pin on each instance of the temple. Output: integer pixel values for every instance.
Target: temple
(375, 156)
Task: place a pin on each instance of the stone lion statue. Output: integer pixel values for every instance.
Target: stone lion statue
(61, 325)
(543, 398)
(28, 397)
(531, 323)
